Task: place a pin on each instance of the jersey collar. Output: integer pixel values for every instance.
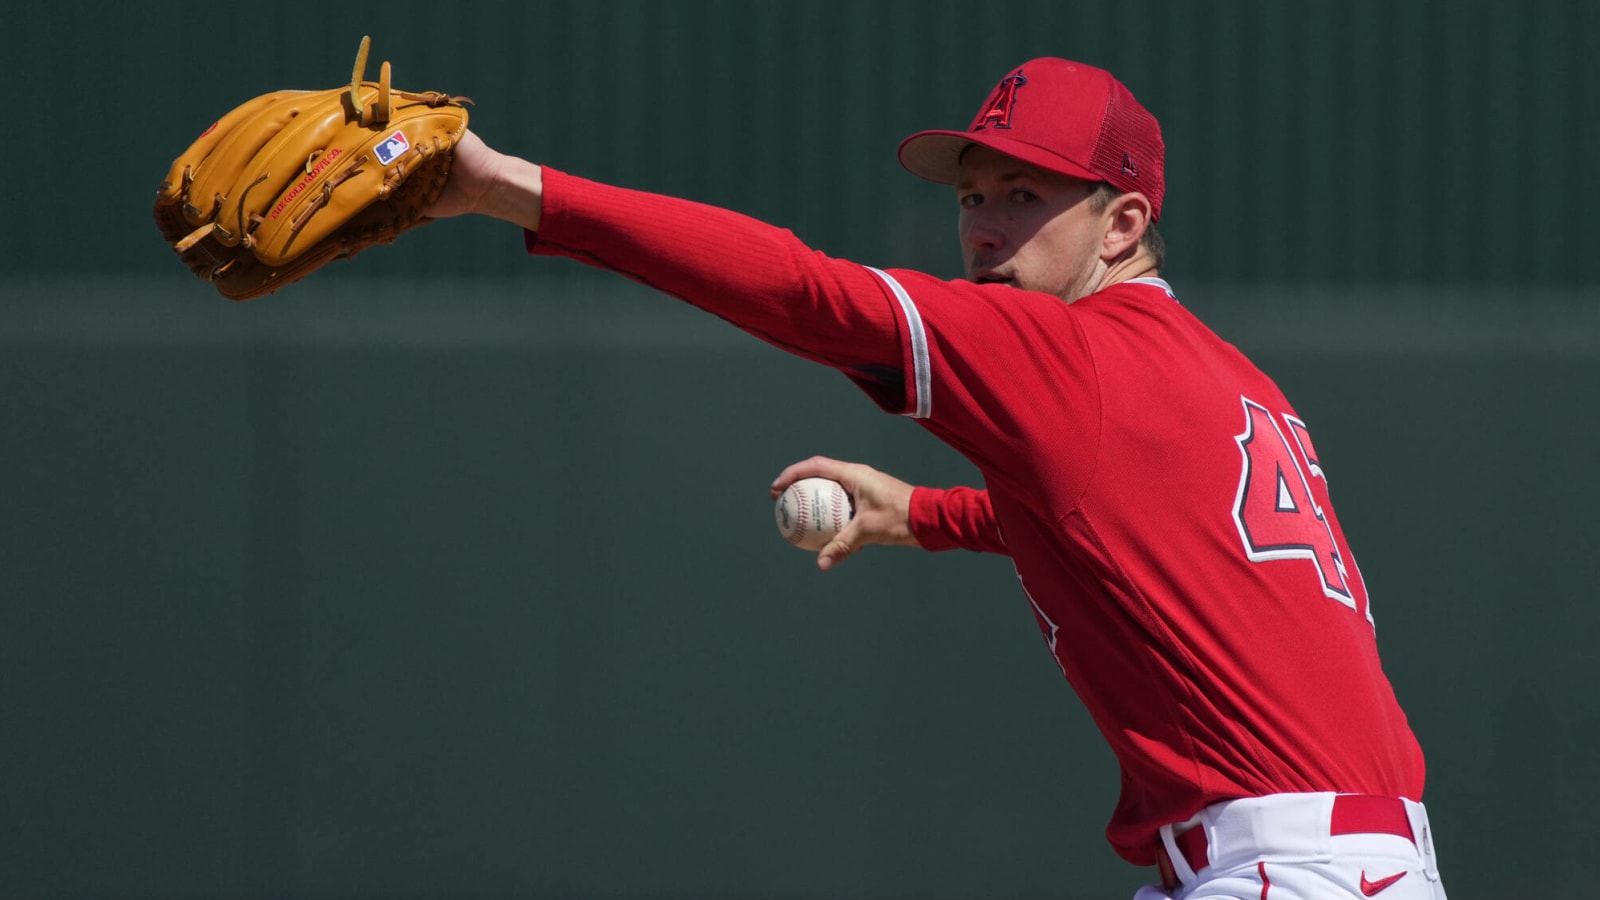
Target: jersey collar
(1154, 282)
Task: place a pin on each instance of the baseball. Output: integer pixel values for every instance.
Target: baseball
(811, 511)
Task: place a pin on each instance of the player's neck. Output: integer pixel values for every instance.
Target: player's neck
(1138, 264)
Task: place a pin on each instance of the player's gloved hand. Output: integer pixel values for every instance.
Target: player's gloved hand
(882, 506)
(292, 180)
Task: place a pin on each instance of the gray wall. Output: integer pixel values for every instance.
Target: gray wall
(352, 591)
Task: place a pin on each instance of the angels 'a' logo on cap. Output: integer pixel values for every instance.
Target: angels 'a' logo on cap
(997, 112)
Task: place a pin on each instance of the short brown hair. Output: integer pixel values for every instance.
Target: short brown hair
(1103, 194)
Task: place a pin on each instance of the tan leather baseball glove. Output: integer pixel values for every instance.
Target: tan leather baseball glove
(292, 180)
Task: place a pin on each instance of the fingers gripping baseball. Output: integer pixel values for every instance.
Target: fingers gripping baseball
(842, 546)
(881, 502)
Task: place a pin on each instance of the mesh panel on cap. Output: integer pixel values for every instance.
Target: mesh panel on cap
(1128, 128)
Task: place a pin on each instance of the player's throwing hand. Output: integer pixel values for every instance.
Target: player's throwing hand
(882, 506)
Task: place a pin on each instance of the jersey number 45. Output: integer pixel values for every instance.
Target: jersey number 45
(1279, 514)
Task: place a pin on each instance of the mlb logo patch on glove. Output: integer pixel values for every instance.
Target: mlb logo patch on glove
(391, 148)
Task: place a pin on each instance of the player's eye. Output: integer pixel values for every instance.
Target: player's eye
(1023, 195)
(968, 201)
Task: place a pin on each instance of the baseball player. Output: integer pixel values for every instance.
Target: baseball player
(1165, 506)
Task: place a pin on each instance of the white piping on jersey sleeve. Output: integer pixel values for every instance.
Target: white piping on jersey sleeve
(923, 368)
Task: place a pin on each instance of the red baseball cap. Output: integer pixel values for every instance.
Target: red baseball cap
(1059, 115)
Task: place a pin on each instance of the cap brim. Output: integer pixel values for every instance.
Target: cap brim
(936, 155)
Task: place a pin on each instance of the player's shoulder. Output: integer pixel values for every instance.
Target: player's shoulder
(1135, 304)
(972, 306)
(1145, 316)
(1151, 290)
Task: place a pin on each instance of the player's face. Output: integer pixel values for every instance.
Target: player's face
(1027, 227)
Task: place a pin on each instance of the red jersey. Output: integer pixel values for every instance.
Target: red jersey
(1161, 500)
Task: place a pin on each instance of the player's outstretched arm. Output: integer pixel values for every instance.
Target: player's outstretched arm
(882, 506)
(490, 183)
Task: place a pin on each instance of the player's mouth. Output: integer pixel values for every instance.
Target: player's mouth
(990, 276)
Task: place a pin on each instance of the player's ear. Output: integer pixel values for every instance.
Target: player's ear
(1126, 217)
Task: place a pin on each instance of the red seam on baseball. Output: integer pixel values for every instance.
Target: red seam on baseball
(801, 515)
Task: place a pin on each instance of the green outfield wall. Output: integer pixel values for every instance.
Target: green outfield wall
(1330, 140)
(451, 573)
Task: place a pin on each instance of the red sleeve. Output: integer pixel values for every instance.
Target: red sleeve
(945, 519)
(989, 369)
(757, 276)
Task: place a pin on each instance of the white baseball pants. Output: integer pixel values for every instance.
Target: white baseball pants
(1280, 847)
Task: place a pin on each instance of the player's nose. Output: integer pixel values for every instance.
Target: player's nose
(980, 233)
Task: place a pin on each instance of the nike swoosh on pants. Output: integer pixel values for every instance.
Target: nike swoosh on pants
(1371, 888)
